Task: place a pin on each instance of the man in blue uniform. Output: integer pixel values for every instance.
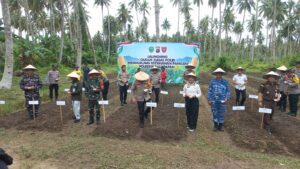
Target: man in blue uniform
(31, 84)
(218, 95)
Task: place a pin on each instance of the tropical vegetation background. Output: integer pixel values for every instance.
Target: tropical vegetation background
(57, 31)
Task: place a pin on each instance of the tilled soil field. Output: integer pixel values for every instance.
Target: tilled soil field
(244, 127)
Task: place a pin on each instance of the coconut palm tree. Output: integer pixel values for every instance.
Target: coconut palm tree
(157, 11)
(178, 4)
(244, 6)
(6, 81)
(102, 3)
(136, 5)
(124, 16)
(166, 25)
(220, 27)
(254, 25)
(198, 3)
(238, 29)
(144, 8)
(186, 9)
(213, 5)
(62, 31)
(228, 23)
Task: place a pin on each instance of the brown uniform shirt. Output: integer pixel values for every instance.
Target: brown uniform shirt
(269, 91)
(138, 91)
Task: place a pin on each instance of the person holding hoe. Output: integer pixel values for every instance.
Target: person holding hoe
(140, 91)
(93, 92)
(76, 92)
(31, 84)
(123, 78)
(269, 94)
(155, 81)
(191, 93)
(240, 81)
(189, 69)
(218, 96)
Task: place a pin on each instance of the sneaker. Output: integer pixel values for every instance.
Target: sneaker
(191, 130)
(76, 120)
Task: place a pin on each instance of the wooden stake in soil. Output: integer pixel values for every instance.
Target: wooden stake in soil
(238, 109)
(60, 104)
(178, 105)
(162, 96)
(151, 105)
(264, 111)
(103, 103)
(151, 116)
(253, 97)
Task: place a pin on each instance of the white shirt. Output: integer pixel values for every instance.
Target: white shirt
(191, 90)
(240, 80)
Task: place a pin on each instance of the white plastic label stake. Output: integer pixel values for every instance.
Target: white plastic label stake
(265, 110)
(60, 103)
(253, 97)
(164, 92)
(179, 105)
(238, 108)
(151, 104)
(128, 91)
(103, 102)
(180, 92)
(35, 102)
(67, 90)
(2, 102)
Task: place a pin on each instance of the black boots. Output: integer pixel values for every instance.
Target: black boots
(215, 126)
(91, 121)
(218, 127)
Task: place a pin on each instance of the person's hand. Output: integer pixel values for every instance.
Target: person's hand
(260, 104)
(225, 100)
(209, 102)
(133, 100)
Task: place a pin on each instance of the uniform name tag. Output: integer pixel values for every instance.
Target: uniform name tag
(2, 102)
(253, 97)
(128, 91)
(103, 102)
(179, 105)
(35, 102)
(238, 108)
(151, 104)
(180, 92)
(60, 103)
(265, 110)
(67, 90)
(164, 92)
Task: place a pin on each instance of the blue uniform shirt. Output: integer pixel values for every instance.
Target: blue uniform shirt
(218, 90)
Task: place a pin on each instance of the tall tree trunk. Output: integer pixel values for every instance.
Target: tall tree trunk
(220, 30)
(70, 26)
(6, 81)
(137, 17)
(198, 22)
(92, 44)
(52, 18)
(242, 26)
(178, 17)
(157, 10)
(273, 33)
(28, 20)
(108, 45)
(62, 31)
(79, 34)
(210, 37)
(255, 32)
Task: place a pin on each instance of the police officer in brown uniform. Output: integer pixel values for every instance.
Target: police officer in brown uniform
(269, 94)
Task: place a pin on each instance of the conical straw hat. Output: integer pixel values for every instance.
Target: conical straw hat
(141, 76)
(73, 75)
(29, 67)
(93, 71)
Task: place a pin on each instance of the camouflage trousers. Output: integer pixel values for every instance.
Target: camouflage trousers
(94, 107)
(32, 108)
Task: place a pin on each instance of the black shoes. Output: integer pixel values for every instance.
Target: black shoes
(218, 127)
(76, 120)
(142, 125)
(90, 122)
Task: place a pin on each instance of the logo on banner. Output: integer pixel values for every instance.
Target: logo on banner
(164, 49)
(157, 49)
(151, 49)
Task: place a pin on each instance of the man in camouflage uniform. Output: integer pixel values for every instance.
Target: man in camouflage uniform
(31, 85)
(92, 91)
(269, 94)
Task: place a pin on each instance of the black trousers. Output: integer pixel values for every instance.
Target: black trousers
(123, 93)
(142, 112)
(240, 97)
(55, 88)
(293, 100)
(282, 102)
(156, 91)
(105, 90)
(192, 111)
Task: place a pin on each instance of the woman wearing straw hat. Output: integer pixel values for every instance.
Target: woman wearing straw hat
(155, 80)
(75, 91)
(189, 69)
(140, 91)
(31, 84)
(283, 87)
(92, 91)
(268, 95)
(218, 95)
(191, 93)
(240, 81)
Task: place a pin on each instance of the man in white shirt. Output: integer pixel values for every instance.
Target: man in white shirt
(240, 81)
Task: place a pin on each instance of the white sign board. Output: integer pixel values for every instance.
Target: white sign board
(238, 108)
(128, 91)
(103, 102)
(164, 92)
(179, 105)
(35, 102)
(60, 103)
(265, 110)
(180, 92)
(67, 90)
(2, 102)
(151, 104)
(253, 97)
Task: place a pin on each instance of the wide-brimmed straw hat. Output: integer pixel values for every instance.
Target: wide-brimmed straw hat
(219, 70)
(29, 67)
(282, 68)
(190, 65)
(141, 76)
(265, 76)
(94, 71)
(240, 68)
(192, 75)
(73, 75)
(154, 68)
